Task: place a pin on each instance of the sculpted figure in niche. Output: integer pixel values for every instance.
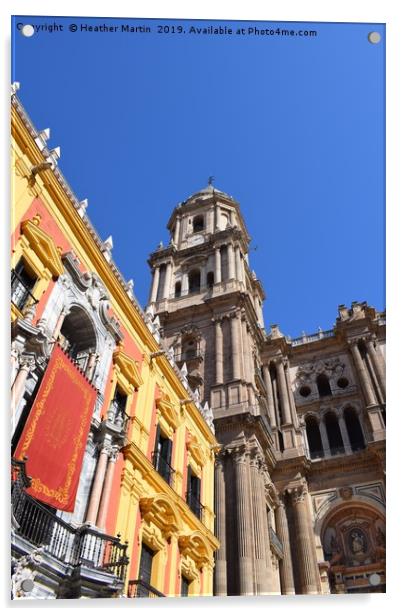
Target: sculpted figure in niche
(357, 543)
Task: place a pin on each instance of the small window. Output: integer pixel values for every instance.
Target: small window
(342, 382)
(22, 283)
(305, 391)
(194, 281)
(185, 586)
(162, 456)
(145, 571)
(194, 493)
(210, 280)
(177, 289)
(324, 388)
(198, 224)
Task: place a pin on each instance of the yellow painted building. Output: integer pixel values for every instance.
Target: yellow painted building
(146, 482)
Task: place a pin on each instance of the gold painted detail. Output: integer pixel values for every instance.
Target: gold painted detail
(197, 548)
(161, 511)
(43, 246)
(128, 368)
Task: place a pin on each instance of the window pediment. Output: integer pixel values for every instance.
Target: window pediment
(196, 547)
(43, 245)
(128, 368)
(159, 510)
(168, 411)
(195, 449)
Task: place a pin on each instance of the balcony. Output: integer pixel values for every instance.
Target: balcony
(38, 525)
(195, 505)
(21, 291)
(329, 333)
(140, 588)
(163, 467)
(117, 416)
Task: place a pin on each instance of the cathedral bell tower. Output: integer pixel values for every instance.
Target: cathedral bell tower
(209, 305)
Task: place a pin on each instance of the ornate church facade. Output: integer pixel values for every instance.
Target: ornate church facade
(299, 480)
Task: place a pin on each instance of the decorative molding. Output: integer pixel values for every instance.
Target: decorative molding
(197, 548)
(128, 368)
(43, 245)
(162, 511)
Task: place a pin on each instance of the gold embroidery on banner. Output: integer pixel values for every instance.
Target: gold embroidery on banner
(61, 493)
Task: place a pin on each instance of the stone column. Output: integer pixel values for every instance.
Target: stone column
(306, 561)
(324, 438)
(107, 489)
(239, 264)
(231, 262)
(378, 363)
(203, 277)
(177, 231)
(235, 338)
(218, 269)
(244, 522)
(220, 529)
(184, 284)
(168, 276)
(91, 366)
(260, 529)
(283, 392)
(218, 351)
(375, 382)
(285, 565)
(155, 284)
(270, 395)
(97, 485)
(59, 324)
(344, 434)
(363, 375)
(18, 388)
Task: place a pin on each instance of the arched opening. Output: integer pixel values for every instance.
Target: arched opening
(177, 289)
(210, 280)
(334, 434)
(194, 281)
(198, 223)
(314, 438)
(78, 336)
(323, 386)
(354, 429)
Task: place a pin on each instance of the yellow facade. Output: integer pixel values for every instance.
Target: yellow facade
(143, 507)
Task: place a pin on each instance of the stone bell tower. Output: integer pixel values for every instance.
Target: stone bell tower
(209, 304)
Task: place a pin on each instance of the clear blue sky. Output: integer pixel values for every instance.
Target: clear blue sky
(292, 127)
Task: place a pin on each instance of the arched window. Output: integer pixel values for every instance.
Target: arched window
(314, 438)
(354, 429)
(177, 289)
(210, 280)
(324, 388)
(161, 285)
(198, 223)
(194, 281)
(334, 434)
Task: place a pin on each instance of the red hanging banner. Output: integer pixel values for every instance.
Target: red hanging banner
(56, 432)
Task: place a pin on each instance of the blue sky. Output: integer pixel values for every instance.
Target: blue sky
(292, 127)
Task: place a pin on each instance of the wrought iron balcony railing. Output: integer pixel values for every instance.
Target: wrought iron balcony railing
(72, 546)
(163, 467)
(118, 416)
(140, 588)
(20, 291)
(195, 505)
